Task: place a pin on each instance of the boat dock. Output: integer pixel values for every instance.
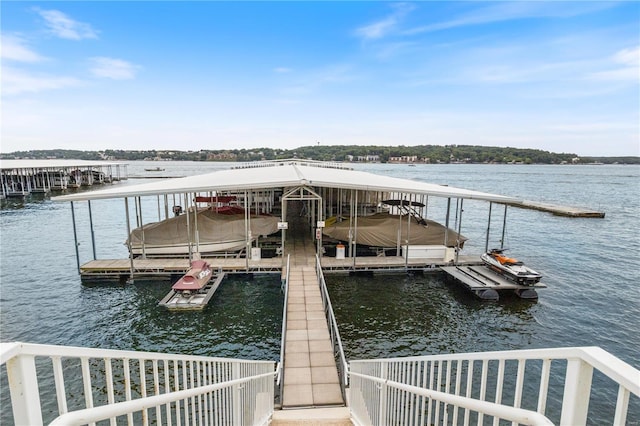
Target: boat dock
(175, 301)
(484, 283)
(558, 210)
(20, 178)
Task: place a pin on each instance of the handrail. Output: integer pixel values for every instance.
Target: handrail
(96, 414)
(280, 369)
(11, 349)
(611, 366)
(344, 380)
(128, 371)
(505, 412)
(578, 365)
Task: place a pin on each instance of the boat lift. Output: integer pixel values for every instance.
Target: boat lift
(177, 301)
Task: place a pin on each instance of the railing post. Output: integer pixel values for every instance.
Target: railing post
(577, 390)
(382, 416)
(236, 395)
(23, 386)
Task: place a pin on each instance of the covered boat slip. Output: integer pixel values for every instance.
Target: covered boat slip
(335, 201)
(20, 178)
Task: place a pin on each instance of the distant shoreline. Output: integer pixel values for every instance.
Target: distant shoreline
(410, 155)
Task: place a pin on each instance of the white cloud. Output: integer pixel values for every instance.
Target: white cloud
(63, 26)
(116, 69)
(386, 25)
(15, 81)
(14, 48)
(282, 70)
(506, 11)
(628, 56)
(315, 80)
(624, 66)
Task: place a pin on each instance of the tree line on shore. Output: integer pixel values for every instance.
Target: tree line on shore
(432, 154)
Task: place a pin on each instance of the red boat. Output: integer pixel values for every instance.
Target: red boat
(195, 279)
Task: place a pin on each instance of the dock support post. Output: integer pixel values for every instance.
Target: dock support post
(195, 221)
(247, 231)
(186, 206)
(355, 232)
(75, 236)
(486, 242)
(93, 235)
(138, 203)
(126, 207)
(504, 227)
(459, 230)
(446, 223)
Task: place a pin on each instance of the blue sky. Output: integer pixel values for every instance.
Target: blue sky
(558, 76)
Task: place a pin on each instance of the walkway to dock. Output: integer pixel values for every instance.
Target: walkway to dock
(310, 372)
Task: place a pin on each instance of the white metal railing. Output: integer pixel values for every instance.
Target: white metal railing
(85, 385)
(283, 336)
(334, 332)
(462, 388)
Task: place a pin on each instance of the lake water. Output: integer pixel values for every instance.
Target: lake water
(591, 266)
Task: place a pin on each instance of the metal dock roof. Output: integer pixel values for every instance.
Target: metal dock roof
(290, 173)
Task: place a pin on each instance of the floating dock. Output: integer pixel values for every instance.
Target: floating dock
(485, 283)
(176, 301)
(559, 210)
(109, 269)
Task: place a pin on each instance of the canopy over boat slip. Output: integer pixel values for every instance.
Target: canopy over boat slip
(288, 173)
(54, 164)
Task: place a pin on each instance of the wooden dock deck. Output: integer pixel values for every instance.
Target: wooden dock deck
(559, 210)
(119, 268)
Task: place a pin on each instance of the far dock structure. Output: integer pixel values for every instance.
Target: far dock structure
(20, 178)
(238, 220)
(340, 207)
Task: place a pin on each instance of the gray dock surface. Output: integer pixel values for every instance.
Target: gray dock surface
(485, 283)
(310, 372)
(559, 210)
(114, 268)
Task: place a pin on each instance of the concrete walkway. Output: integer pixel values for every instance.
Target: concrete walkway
(310, 372)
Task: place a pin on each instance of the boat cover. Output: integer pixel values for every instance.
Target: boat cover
(381, 230)
(212, 228)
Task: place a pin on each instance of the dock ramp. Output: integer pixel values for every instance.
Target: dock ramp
(310, 371)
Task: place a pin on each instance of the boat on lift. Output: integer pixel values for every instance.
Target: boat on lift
(511, 268)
